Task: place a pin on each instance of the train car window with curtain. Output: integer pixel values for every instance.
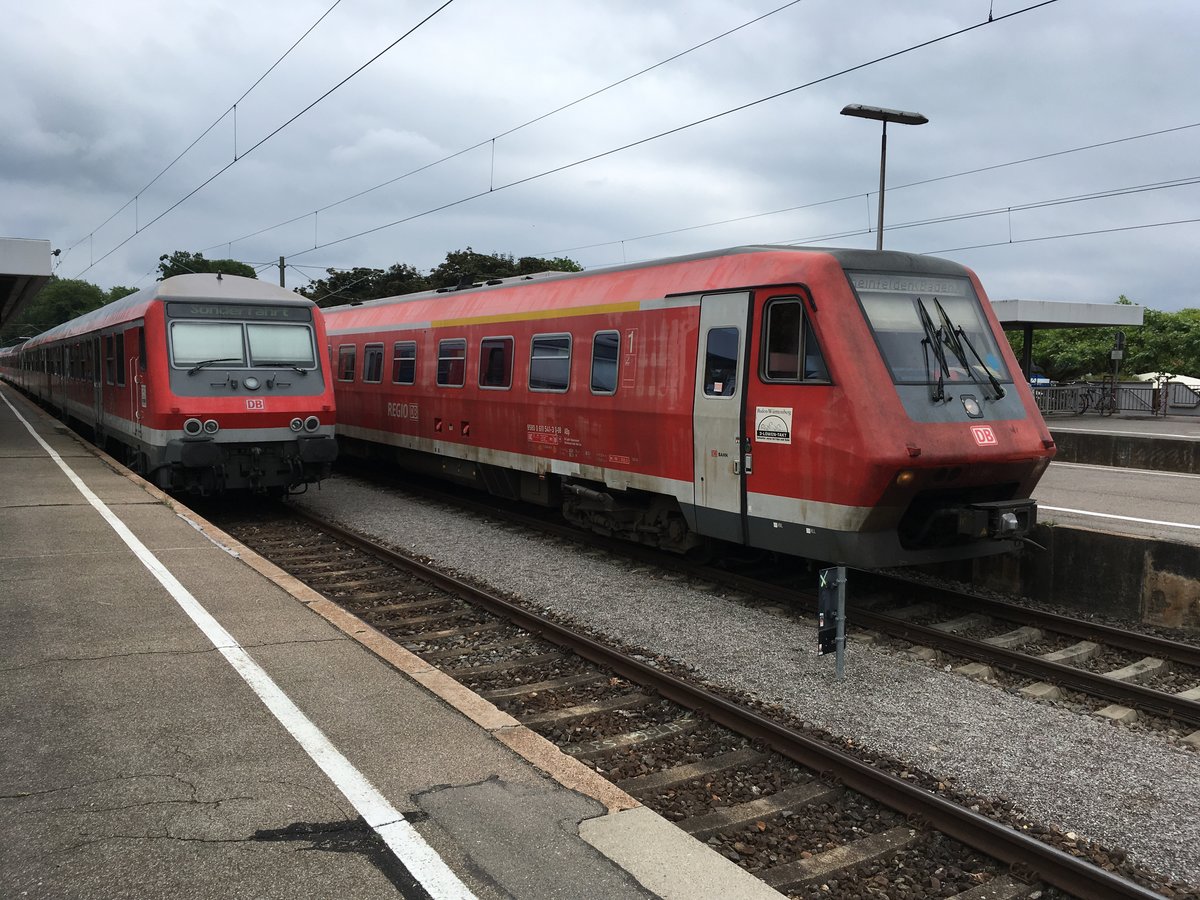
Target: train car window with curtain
(495, 362)
(721, 362)
(347, 360)
(606, 351)
(550, 362)
(120, 338)
(452, 362)
(790, 349)
(404, 362)
(373, 363)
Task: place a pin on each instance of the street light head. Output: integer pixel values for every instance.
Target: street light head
(884, 115)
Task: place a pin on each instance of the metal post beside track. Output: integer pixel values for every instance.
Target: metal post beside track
(831, 616)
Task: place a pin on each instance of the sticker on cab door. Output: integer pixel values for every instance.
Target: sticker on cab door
(773, 424)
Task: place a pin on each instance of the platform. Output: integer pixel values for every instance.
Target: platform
(181, 719)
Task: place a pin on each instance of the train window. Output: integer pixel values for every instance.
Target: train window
(606, 350)
(347, 354)
(373, 363)
(120, 341)
(721, 362)
(278, 344)
(452, 363)
(550, 362)
(110, 361)
(495, 362)
(193, 343)
(908, 311)
(790, 349)
(404, 362)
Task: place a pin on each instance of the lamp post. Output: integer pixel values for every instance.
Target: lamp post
(885, 116)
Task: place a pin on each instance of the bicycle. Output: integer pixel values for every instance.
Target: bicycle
(1100, 397)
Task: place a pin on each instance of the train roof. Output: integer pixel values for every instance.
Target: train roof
(880, 260)
(209, 287)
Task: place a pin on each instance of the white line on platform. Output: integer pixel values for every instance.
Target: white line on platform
(1155, 434)
(1115, 470)
(421, 860)
(1084, 512)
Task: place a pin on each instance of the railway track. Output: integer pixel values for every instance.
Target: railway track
(809, 818)
(1041, 655)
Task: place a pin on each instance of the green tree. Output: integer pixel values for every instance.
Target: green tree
(117, 291)
(60, 300)
(467, 266)
(183, 263)
(359, 284)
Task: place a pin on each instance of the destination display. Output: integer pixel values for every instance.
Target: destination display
(254, 313)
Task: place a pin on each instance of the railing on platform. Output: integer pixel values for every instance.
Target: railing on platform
(1139, 398)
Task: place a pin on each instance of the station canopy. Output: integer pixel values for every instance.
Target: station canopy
(24, 270)
(1030, 314)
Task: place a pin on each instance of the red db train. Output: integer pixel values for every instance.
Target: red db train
(202, 383)
(845, 405)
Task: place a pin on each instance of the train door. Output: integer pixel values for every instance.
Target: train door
(135, 366)
(95, 365)
(720, 444)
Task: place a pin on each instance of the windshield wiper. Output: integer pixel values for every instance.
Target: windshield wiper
(279, 364)
(957, 338)
(933, 340)
(212, 362)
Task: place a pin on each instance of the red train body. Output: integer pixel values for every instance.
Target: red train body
(850, 406)
(201, 382)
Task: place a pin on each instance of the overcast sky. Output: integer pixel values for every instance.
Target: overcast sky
(98, 98)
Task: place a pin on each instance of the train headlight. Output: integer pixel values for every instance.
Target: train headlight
(296, 424)
(905, 477)
(312, 423)
(211, 426)
(193, 427)
(250, 383)
(971, 405)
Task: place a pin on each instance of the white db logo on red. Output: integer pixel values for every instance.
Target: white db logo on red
(984, 436)
(256, 403)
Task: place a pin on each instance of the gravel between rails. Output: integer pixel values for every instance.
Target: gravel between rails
(1081, 774)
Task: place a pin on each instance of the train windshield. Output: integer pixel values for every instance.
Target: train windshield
(929, 328)
(195, 342)
(281, 345)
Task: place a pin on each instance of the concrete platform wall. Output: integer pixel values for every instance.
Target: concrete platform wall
(1143, 580)
(1129, 451)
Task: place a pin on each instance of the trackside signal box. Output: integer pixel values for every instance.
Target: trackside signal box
(831, 615)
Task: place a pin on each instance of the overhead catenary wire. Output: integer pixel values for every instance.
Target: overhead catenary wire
(272, 134)
(676, 130)
(204, 133)
(774, 212)
(513, 130)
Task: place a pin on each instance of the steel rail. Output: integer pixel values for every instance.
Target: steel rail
(1147, 644)
(1070, 873)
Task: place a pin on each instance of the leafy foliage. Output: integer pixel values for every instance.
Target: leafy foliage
(460, 266)
(183, 263)
(60, 300)
(1166, 342)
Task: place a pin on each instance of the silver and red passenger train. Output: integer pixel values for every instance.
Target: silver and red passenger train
(202, 383)
(845, 405)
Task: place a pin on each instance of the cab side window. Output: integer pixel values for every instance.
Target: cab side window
(721, 362)
(790, 350)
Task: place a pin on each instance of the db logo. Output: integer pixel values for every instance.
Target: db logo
(256, 403)
(984, 436)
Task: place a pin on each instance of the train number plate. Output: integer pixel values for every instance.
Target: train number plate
(256, 403)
